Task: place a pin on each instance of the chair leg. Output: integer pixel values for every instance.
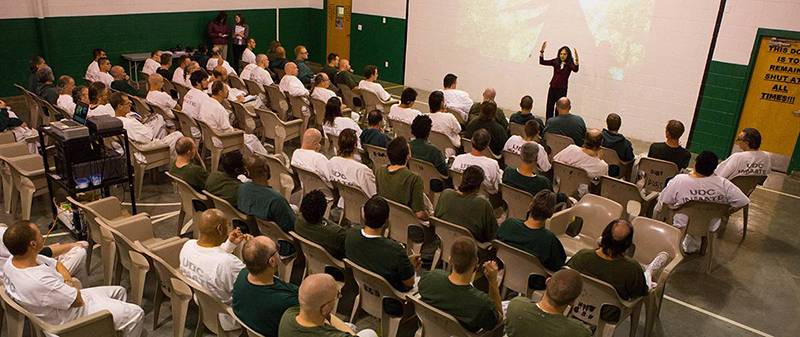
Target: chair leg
(181, 217)
(89, 251)
(356, 306)
(8, 194)
(108, 257)
(138, 180)
(26, 199)
(390, 325)
(710, 253)
(180, 308)
(745, 215)
(650, 310)
(637, 310)
(198, 330)
(436, 256)
(157, 299)
(215, 154)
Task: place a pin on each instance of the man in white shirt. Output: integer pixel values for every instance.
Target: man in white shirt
(321, 89)
(159, 98)
(455, 99)
(94, 67)
(370, 82)
(45, 288)
(104, 66)
(403, 111)
(179, 75)
(210, 262)
(308, 157)
(750, 162)
(153, 63)
(218, 118)
(196, 96)
(290, 83)
(248, 56)
(146, 132)
(98, 98)
(221, 74)
(700, 185)
(71, 255)
(257, 72)
(514, 145)
(444, 122)
(65, 86)
(586, 157)
(491, 169)
(218, 60)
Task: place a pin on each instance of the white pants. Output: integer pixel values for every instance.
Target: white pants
(74, 260)
(170, 139)
(157, 126)
(128, 317)
(251, 141)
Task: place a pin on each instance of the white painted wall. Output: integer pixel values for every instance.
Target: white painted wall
(741, 21)
(390, 8)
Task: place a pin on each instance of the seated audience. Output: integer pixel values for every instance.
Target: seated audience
(304, 73)
(139, 130)
(444, 122)
(345, 75)
(398, 183)
(196, 97)
(201, 56)
(258, 199)
(547, 316)
(44, 287)
(102, 75)
(488, 96)
(457, 100)
(530, 234)
(122, 82)
(321, 90)
(165, 65)
(514, 144)
(487, 121)
(46, 89)
(257, 71)
(259, 297)
(454, 293)
(9, 121)
(290, 83)
(159, 98)
(234, 94)
(403, 111)
(566, 123)
(467, 208)
(217, 117)
(152, 63)
(334, 123)
(248, 56)
(332, 67)
(614, 140)
(525, 113)
(374, 135)
(308, 157)
(423, 150)
(750, 161)
(370, 83)
(671, 150)
(94, 66)
(98, 98)
(369, 249)
(218, 60)
(180, 74)
(315, 317)
(491, 169)
(278, 61)
(209, 260)
(701, 185)
(71, 256)
(313, 226)
(185, 167)
(347, 170)
(524, 177)
(586, 157)
(65, 86)
(225, 183)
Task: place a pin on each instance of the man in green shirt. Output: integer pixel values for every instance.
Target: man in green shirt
(547, 316)
(368, 248)
(467, 208)
(488, 96)
(566, 124)
(423, 150)
(258, 199)
(531, 235)
(524, 177)
(225, 183)
(260, 298)
(312, 225)
(315, 317)
(184, 166)
(397, 183)
(345, 75)
(487, 121)
(454, 293)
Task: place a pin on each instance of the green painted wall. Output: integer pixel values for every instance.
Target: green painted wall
(377, 43)
(718, 118)
(19, 44)
(304, 26)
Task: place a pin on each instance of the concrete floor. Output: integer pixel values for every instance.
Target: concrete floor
(753, 289)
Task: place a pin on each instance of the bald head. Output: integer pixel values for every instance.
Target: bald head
(316, 291)
(617, 237)
(259, 255)
(290, 68)
(117, 72)
(311, 139)
(344, 64)
(593, 139)
(262, 60)
(210, 221)
(563, 105)
(155, 81)
(489, 94)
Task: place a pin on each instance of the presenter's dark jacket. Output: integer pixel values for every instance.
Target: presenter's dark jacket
(560, 74)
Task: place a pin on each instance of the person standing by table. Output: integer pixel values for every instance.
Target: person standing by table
(563, 66)
(241, 34)
(218, 33)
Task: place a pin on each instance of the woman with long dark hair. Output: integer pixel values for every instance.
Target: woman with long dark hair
(563, 66)
(241, 35)
(218, 33)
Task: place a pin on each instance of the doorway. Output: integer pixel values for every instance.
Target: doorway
(338, 27)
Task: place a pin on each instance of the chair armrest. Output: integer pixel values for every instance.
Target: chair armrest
(293, 123)
(650, 197)
(667, 271)
(150, 147)
(137, 227)
(181, 289)
(229, 133)
(100, 321)
(559, 222)
(139, 261)
(109, 208)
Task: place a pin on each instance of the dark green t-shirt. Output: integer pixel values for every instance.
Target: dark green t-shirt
(265, 203)
(380, 255)
(532, 185)
(375, 137)
(520, 118)
(327, 234)
(402, 186)
(470, 306)
(569, 125)
(473, 211)
(677, 155)
(422, 150)
(624, 274)
(523, 317)
(290, 328)
(496, 131)
(346, 78)
(538, 242)
(223, 186)
(261, 306)
(499, 116)
(193, 174)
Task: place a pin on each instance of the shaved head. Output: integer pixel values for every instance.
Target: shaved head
(311, 139)
(489, 94)
(564, 287)
(258, 254)
(290, 68)
(117, 72)
(344, 64)
(316, 291)
(155, 81)
(262, 59)
(563, 104)
(209, 221)
(593, 139)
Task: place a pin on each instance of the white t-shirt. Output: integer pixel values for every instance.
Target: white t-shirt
(161, 99)
(447, 124)
(514, 144)
(150, 66)
(491, 169)
(101, 110)
(233, 93)
(684, 188)
(65, 102)
(352, 173)
(375, 88)
(405, 115)
(247, 70)
(339, 124)
(91, 71)
(137, 131)
(458, 100)
(178, 76)
(193, 102)
(215, 115)
(292, 85)
(312, 161)
(215, 269)
(574, 155)
(322, 94)
(248, 56)
(42, 290)
(260, 76)
(746, 163)
(105, 78)
(4, 253)
(212, 63)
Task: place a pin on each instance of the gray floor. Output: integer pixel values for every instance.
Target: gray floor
(753, 290)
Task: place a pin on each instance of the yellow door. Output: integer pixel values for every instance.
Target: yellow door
(774, 94)
(338, 27)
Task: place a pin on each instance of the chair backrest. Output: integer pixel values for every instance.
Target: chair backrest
(518, 201)
(512, 159)
(107, 208)
(186, 122)
(748, 183)
(182, 91)
(623, 193)
(448, 232)
(456, 176)
(274, 232)
(466, 144)
(140, 105)
(269, 120)
(521, 268)
(372, 289)
(597, 212)
(596, 295)
(319, 111)
(401, 219)
(125, 236)
(377, 155)
(210, 306)
(250, 331)
(254, 88)
(557, 143)
(276, 169)
(354, 200)
(440, 140)
(299, 106)
(231, 213)
(187, 194)
(348, 95)
(611, 157)
(7, 137)
(317, 258)
(401, 129)
(516, 129)
(241, 115)
(277, 101)
(568, 178)
(456, 114)
(333, 140)
(436, 322)
(653, 237)
(310, 181)
(427, 172)
(158, 110)
(166, 259)
(655, 173)
(236, 82)
(700, 214)
(371, 101)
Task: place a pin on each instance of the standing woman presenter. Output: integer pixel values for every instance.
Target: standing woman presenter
(563, 66)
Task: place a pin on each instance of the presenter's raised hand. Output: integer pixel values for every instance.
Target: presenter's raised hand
(575, 51)
(544, 45)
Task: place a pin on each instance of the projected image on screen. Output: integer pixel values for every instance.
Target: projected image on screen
(510, 30)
